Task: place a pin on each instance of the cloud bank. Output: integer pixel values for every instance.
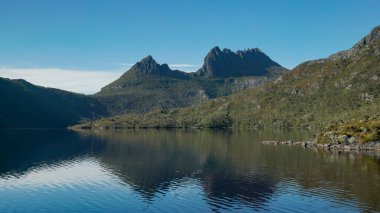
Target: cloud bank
(80, 81)
(185, 67)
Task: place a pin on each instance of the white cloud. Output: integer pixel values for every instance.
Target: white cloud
(185, 67)
(80, 81)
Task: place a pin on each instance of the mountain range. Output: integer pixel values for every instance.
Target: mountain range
(314, 94)
(242, 89)
(146, 86)
(226, 63)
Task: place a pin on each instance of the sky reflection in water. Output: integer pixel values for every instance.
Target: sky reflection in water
(171, 171)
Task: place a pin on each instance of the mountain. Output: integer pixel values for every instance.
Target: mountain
(145, 87)
(249, 62)
(24, 105)
(148, 85)
(316, 93)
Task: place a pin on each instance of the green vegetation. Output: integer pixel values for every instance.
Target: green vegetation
(343, 87)
(145, 87)
(141, 93)
(313, 95)
(358, 131)
(150, 86)
(24, 105)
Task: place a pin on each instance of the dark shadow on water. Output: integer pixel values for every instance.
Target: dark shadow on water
(153, 160)
(22, 149)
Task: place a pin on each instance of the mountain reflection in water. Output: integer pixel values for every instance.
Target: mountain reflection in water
(178, 170)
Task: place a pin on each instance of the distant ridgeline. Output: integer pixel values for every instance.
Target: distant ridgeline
(145, 87)
(149, 85)
(24, 105)
(231, 89)
(342, 87)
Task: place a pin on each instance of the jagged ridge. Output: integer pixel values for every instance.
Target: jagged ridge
(147, 85)
(226, 63)
(312, 95)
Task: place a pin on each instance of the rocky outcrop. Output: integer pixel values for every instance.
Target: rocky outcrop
(247, 83)
(333, 146)
(149, 66)
(226, 63)
(372, 40)
(148, 85)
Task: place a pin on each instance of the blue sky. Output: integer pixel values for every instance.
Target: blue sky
(110, 35)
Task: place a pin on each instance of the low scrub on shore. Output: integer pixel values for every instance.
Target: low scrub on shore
(356, 131)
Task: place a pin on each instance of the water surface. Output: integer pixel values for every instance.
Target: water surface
(179, 171)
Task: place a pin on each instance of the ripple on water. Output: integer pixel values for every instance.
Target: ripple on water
(69, 184)
(291, 197)
(160, 173)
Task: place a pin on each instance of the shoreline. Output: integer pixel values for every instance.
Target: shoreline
(369, 146)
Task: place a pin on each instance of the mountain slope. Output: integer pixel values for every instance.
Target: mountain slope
(24, 105)
(342, 87)
(149, 85)
(146, 86)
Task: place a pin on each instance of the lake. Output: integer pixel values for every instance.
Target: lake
(180, 171)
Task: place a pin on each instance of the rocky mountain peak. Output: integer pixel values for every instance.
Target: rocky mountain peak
(215, 49)
(250, 50)
(214, 52)
(252, 53)
(149, 66)
(227, 51)
(226, 63)
(146, 65)
(148, 59)
(372, 37)
(370, 41)
(146, 68)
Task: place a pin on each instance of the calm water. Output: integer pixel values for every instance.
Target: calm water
(179, 171)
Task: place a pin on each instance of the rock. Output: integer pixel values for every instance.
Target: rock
(247, 83)
(270, 142)
(333, 146)
(149, 66)
(249, 62)
(351, 140)
(202, 95)
(371, 39)
(342, 139)
(287, 142)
